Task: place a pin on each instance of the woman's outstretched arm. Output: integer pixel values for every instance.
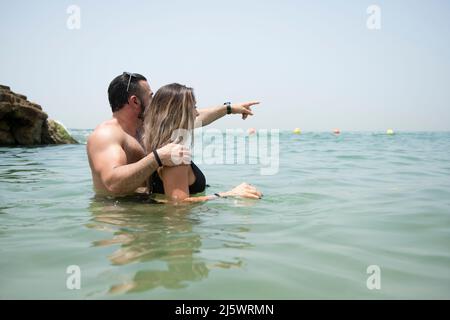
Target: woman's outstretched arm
(208, 115)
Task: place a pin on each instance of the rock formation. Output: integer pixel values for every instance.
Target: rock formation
(24, 123)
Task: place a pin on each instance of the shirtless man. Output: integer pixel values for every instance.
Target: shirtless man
(118, 162)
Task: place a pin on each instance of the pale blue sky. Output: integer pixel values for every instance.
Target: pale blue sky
(313, 64)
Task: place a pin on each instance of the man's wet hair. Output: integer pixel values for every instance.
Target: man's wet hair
(117, 90)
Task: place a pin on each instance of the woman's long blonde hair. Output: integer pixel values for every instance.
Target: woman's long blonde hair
(172, 108)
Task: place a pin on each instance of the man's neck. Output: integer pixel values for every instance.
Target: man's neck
(127, 122)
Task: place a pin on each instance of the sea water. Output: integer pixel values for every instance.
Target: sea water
(338, 207)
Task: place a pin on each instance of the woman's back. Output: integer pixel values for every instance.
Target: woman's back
(157, 185)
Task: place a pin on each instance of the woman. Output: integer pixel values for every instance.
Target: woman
(173, 111)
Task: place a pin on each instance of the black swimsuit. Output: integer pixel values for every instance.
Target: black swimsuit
(198, 186)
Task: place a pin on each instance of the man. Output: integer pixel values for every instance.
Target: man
(118, 162)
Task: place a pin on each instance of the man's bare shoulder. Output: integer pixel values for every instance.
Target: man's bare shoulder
(105, 133)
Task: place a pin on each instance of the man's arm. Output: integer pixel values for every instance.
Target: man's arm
(108, 160)
(209, 115)
(125, 179)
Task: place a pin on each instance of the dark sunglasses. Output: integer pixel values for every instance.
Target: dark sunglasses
(129, 80)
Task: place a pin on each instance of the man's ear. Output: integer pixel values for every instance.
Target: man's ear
(132, 99)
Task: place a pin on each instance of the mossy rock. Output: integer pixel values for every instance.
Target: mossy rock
(6, 138)
(4, 126)
(55, 133)
(24, 123)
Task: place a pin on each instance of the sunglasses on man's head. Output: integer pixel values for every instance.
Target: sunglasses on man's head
(129, 80)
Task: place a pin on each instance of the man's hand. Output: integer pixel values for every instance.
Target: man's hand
(243, 108)
(173, 154)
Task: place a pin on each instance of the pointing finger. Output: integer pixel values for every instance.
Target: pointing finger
(250, 103)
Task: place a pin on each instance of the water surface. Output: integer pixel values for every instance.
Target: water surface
(337, 205)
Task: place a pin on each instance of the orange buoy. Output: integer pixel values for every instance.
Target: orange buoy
(251, 131)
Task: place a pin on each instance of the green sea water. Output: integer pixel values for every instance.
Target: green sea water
(337, 205)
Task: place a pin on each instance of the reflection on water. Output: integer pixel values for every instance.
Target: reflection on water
(144, 231)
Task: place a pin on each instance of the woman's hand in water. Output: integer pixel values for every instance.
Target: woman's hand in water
(243, 190)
